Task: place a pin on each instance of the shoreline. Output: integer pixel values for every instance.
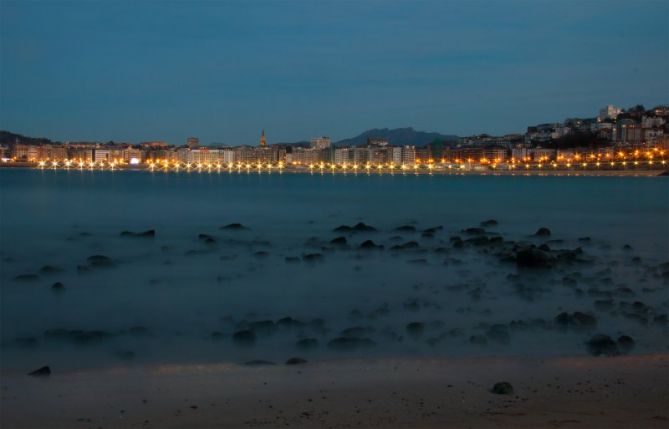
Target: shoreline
(519, 172)
(579, 391)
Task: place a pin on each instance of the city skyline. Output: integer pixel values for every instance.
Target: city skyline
(168, 71)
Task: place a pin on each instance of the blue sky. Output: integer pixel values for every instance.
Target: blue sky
(222, 71)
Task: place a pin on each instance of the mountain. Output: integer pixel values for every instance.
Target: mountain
(397, 136)
(7, 137)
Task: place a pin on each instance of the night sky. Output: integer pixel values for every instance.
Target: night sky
(222, 71)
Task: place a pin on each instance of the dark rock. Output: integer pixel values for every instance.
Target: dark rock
(474, 231)
(350, 343)
(259, 362)
(356, 331)
(295, 361)
(343, 228)
(478, 339)
(100, 261)
(58, 286)
(406, 228)
(26, 278)
(499, 333)
(626, 343)
(245, 336)
(370, 245)
(151, 233)
(312, 257)
(502, 388)
(534, 258)
(433, 230)
(234, 226)
(265, 327)
(602, 345)
(576, 320)
(307, 343)
(405, 246)
(261, 254)
(415, 329)
(339, 241)
(585, 239)
(44, 371)
(50, 269)
(489, 222)
(289, 322)
(543, 232)
(361, 227)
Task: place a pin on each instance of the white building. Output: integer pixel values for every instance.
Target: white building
(609, 112)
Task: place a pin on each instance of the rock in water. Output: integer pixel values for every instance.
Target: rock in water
(502, 388)
(295, 361)
(602, 345)
(234, 226)
(58, 286)
(151, 233)
(44, 371)
(626, 343)
(543, 232)
(245, 336)
(534, 258)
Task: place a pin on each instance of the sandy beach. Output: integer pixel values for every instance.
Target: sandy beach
(578, 392)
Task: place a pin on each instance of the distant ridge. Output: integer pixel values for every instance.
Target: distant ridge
(7, 137)
(397, 136)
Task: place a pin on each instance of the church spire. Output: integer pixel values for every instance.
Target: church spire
(263, 140)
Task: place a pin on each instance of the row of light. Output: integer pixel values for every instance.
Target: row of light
(322, 167)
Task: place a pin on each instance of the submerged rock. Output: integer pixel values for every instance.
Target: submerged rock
(245, 336)
(44, 371)
(58, 286)
(234, 226)
(370, 245)
(307, 343)
(151, 233)
(406, 228)
(350, 343)
(99, 261)
(626, 343)
(543, 232)
(50, 269)
(339, 241)
(26, 278)
(601, 344)
(296, 361)
(474, 231)
(502, 388)
(405, 246)
(415, 329)
(313, 257)
(259, 362)
(489, 222)
(534, 258)
(576, 319)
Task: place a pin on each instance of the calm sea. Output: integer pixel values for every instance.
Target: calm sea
(181, 298)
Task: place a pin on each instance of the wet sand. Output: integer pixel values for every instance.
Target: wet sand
(568, 392)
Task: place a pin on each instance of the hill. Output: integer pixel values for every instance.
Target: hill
(397, 136)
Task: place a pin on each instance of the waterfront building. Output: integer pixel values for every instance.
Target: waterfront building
(408, 155)
(101, 155)
(320, 143)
